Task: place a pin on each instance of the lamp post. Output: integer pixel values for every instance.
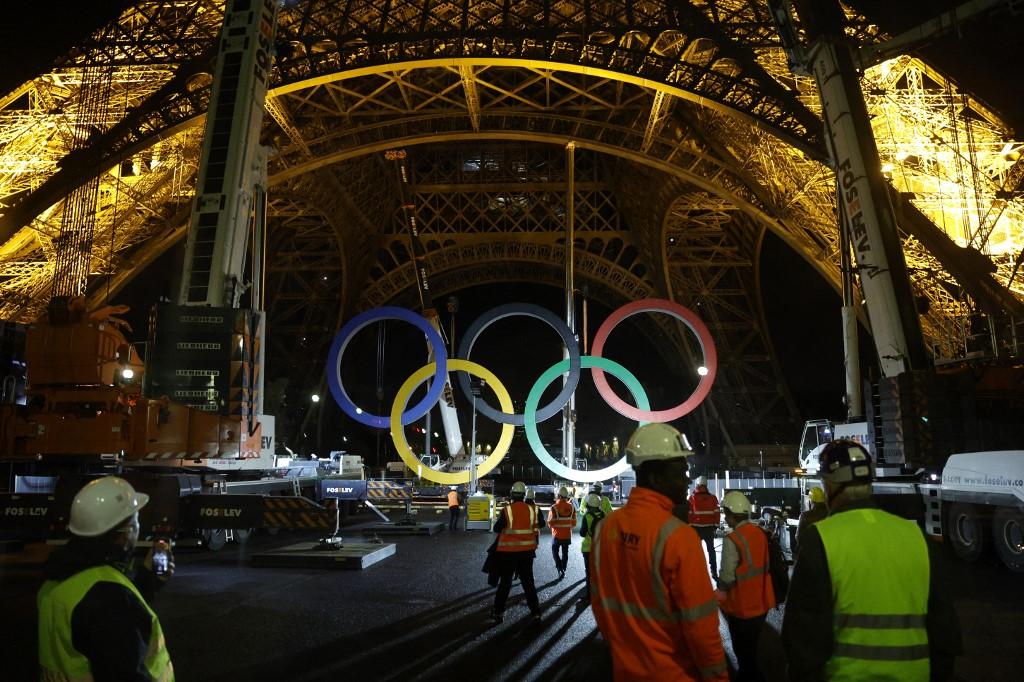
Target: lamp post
(475, 387)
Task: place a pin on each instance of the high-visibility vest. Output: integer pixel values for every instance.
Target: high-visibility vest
(704, 509)
(878, 564)
(592, 518)
(453, 499)
(606, 505)
(562, 519)
(652, 597)
(753, 594)
(58, 658)
(520, 532)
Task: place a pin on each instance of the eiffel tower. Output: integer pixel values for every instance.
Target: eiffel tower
(695, 143)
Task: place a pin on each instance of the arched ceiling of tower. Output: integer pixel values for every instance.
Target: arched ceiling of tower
(693, 141)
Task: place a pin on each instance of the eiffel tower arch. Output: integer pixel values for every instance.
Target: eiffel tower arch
(694, 143)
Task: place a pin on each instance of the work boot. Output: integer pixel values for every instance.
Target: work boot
(497, 616)
(561, 575)
(535, 617)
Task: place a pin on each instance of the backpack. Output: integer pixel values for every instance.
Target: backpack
(778, 568)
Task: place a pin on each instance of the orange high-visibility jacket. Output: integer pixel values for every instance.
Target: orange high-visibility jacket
(520, 532)
(562, 519)
(753, 593)
(704, 508)
(453, 499)
(652, 596)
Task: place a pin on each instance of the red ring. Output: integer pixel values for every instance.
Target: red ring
(687, 317)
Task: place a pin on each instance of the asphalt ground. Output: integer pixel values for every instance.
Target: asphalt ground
(423, 615)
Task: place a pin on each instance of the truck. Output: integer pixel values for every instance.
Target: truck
(185, 423)
(974, 501)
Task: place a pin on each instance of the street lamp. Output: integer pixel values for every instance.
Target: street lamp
(702, 371)
(315, 397)
(475, 388)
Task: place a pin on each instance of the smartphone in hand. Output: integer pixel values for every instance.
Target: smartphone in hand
(160, 558)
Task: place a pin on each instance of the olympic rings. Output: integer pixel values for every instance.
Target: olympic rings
(707, 346)
(528, 310)
(559, 469)
(346, 334)
(398, 414)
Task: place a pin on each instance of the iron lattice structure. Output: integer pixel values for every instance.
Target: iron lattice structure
(694, 142)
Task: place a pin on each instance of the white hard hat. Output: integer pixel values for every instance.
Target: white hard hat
(531, 494)
(596, 486)
(454, 488)
(594, 500)
(519, 488)
(103, 505)
(736, 502)
(655, 441)
(563, 492)
(701, 480)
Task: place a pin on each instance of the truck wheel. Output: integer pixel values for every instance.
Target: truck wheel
(1008, 536)
(966, 532)
(215, 539)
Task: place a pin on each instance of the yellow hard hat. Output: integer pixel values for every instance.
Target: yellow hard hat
(817, 495)
(518, 489)
(563, 492)
(655, 441)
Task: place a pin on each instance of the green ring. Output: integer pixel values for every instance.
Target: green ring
(530, 416)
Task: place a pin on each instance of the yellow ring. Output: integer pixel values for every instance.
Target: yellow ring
(398, 431)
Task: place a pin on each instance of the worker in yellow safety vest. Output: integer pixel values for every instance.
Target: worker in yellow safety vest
(94, 622)
(865, 602)
(518, 526)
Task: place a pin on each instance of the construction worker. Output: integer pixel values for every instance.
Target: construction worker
(561, 520)
(816, 512)
(518, 526)
(864, 603)
(597, 488)
(745, 590)
(453, 508)
(592, 517)
(705, 518)
(652, 598)
(94, 622)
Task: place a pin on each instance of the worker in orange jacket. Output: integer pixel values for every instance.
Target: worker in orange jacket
(652, 596)
(561, 520)
(745, 587)
(453, 508)
(518, 526)
(705, 517)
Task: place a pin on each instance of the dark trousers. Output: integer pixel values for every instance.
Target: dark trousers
(707, 535)
(586, 565)
(560, 547)
(745, 633)
(513, 563)
(453, 518)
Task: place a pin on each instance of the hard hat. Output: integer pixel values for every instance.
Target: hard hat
(454, 488)
(817, 495)
(563, 492)
(736, 502)
(655, 442)
(518, 489)
(593, 501)
(531, 494)
(103, 505)
(596, 487)
(702, 480)
(845, 461)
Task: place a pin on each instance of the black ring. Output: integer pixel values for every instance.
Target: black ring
(538, 313)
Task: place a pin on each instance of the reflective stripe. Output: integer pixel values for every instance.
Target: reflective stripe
(881, 653)
(518, 532)
(658, 614)
(748, 558)
(527, 543)
(671, 524)
(712, 670)
(864, 620)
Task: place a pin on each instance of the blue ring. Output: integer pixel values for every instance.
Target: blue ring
(538, 313)
(350, 329)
